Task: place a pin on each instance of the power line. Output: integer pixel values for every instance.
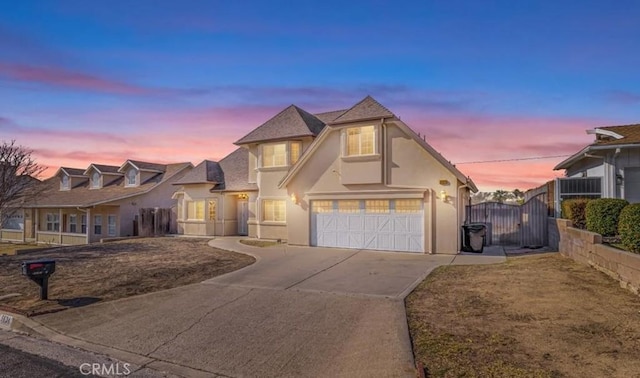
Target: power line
(516, 159)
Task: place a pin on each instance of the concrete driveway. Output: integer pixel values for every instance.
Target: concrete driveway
(298, 311)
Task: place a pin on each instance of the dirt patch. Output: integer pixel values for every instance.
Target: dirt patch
(533, 316)
(11, 248)
(259, 243)
(101, 272)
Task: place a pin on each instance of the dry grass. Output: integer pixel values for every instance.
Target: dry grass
(534, 316)
(100, 272)
(259, 243)
(11, 248)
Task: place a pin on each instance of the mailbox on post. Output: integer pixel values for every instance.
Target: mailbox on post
(39, 272)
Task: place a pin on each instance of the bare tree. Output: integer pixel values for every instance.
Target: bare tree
(18, 178)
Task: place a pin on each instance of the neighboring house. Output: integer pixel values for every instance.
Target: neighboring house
(355, 178)
(608, 168)
(85, 205)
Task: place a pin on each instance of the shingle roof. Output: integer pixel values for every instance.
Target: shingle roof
(630, 133)
(366, 109)
(207, 172)
(291, 122)
(147, 166)
(327, 117)
(73, 171)
(83, 196)
(235, 167)
(106, 168)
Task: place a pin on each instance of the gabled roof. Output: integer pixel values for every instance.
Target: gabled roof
(607, 138)
(235, 168)
(328, 117)
(77, 172)
(291, 122)
(84, 196)
(104, 169)
(207, 172)
(144, 166)
(366, 109)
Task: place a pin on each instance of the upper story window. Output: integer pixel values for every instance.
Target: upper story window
(361, 141)
(281, 154)
(95, 180)
(65, 183)
(132, 177)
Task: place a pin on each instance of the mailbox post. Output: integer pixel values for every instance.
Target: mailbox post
(39, 272)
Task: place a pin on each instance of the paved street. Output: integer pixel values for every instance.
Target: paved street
(298, 311)
(15, 363)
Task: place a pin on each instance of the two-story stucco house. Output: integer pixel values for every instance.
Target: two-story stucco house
(607, 168)
(355, 178)
(83, 206)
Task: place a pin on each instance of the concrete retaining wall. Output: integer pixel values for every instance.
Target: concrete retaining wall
(587, 248)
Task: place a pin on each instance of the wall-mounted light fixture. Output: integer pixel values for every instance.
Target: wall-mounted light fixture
(443, 196)
(619, 179)
(294, 198)
(243, 196)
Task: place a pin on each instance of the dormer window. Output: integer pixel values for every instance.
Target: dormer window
(132, 177)
(95, 180)
(65, 183)
(360, 141)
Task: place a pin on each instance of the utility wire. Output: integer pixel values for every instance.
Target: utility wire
(516, 159)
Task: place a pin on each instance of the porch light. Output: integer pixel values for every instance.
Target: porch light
(294, 198)
(443, 196)
(619, 179)
(243, 196)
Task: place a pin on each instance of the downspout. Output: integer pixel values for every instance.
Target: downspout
(615, 174)
(431, 204)
(458, 219)
(384, 150)
(223, 217)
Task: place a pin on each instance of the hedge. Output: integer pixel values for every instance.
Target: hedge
(602, 215)
(574, 210)
(629, 227)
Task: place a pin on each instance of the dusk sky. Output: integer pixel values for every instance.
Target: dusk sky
(172, 81)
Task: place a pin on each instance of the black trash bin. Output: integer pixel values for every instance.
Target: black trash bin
(473, 237)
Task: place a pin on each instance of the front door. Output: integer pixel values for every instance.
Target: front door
(243, 217)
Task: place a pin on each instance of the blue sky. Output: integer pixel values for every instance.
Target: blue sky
(87, 81)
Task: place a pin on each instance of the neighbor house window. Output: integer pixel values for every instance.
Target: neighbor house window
(195, 210)
(111, 225)
(73, 223)
(95, 180)
(274, 210)
(132, 177)
(53, 222)
(274, 155)
(83, 222)
(376, 206)
(360, 141)
(212, 210)
(65, 183)
(349, 206)
(294, 152)
(408, 206)
(97, 224)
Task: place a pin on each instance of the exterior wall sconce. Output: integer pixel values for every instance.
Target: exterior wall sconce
(443, 196)
(619, 179)
(294, 198)
(243, 196)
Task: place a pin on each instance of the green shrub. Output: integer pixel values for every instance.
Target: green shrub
(602, 215)
(629, 227)
(574, 210)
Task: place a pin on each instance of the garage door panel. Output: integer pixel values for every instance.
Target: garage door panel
(382, 230)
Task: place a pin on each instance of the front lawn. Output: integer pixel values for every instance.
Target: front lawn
(533, 316)
(101, 272)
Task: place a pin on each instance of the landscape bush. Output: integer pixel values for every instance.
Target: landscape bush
(602, 215)
(574, 210)
(629, 227)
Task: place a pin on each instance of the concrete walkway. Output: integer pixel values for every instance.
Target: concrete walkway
(298, 311)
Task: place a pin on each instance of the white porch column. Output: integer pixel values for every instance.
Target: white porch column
(60, 226)
(36, 223)
(88, 226)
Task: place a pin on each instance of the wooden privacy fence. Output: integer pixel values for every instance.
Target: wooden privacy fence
(524, 225)
(154, 222)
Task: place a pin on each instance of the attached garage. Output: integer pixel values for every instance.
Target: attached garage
(387, 224)
(632, 185)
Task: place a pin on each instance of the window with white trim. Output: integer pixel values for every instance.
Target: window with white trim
(95, 180)
(195, 210)
(53, 222)
(73, 223)
(97, 224)
(274, 155)
(65, 182)
(295, 150)
(212, 210)
(274, 210)
(360, 141)
(111, 225)
(132, 177)
(83, 224)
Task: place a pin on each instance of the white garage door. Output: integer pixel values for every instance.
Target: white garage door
(632, 184)
(388, 225)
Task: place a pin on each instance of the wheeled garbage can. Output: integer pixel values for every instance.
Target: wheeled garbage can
(473, 237)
